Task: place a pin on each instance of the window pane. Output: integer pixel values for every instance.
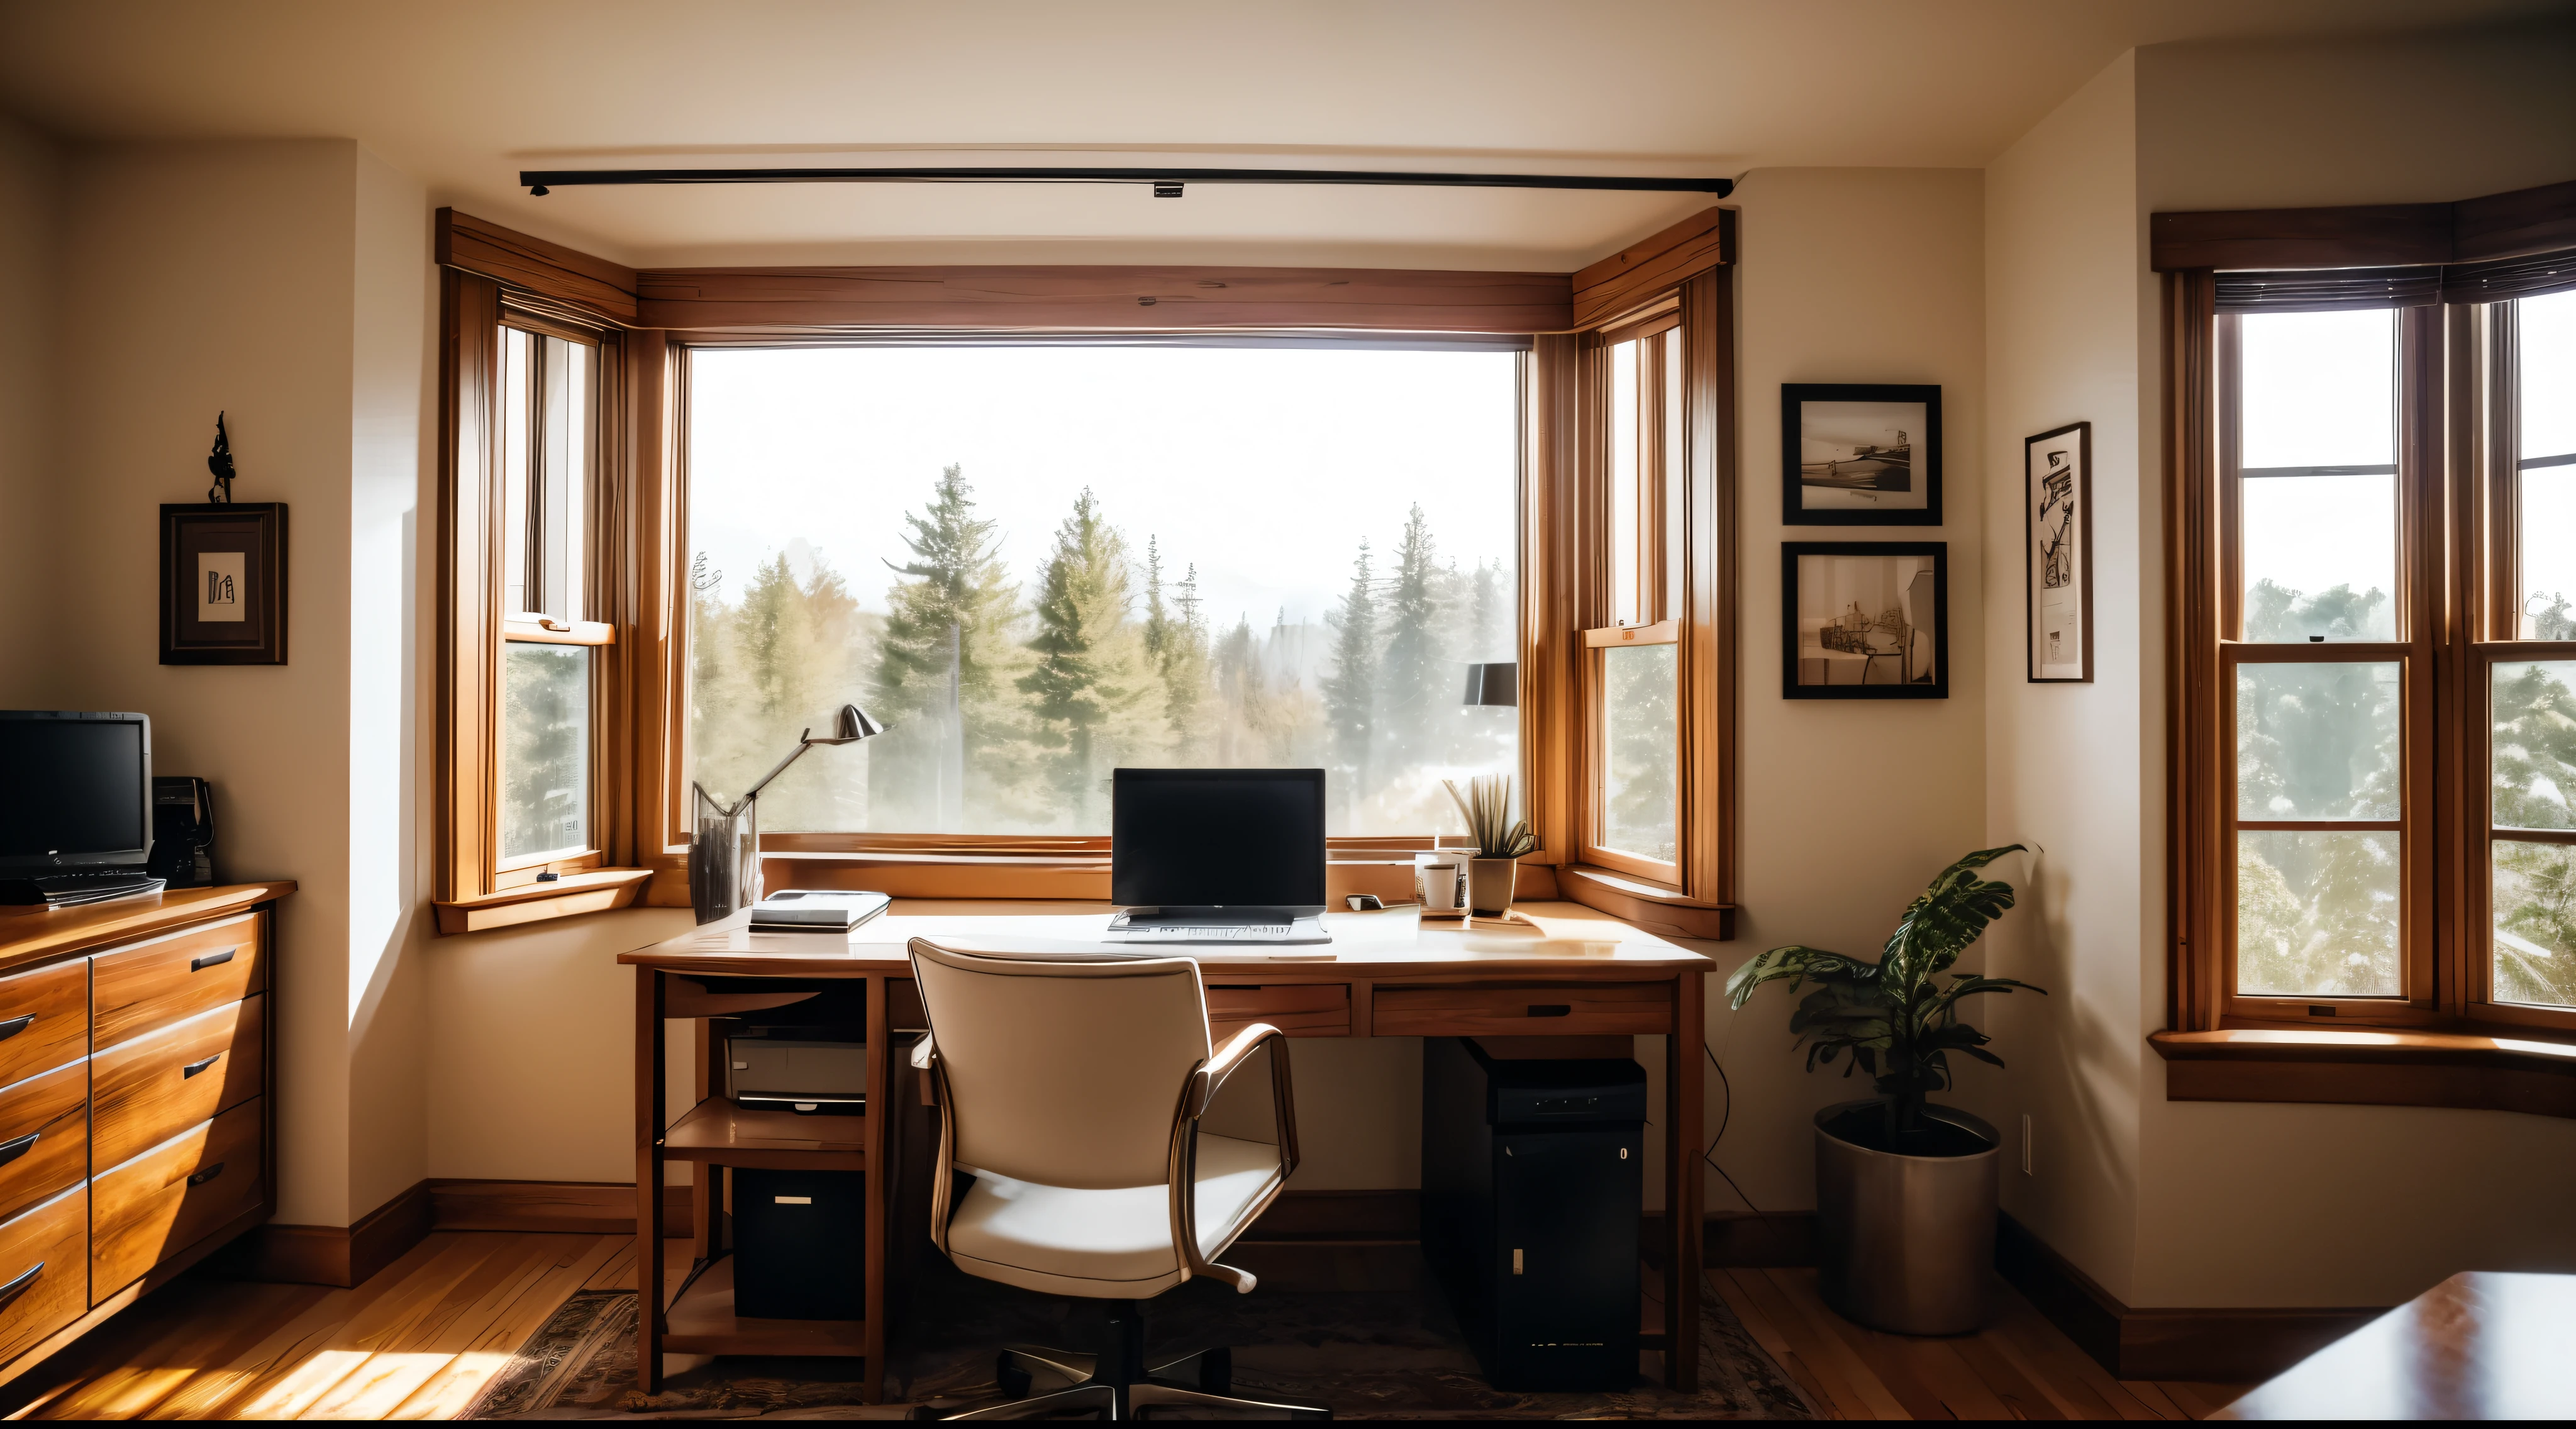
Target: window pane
(2545, 348)
(2319, 545)
(1676, 475)
(518, 426)
(2535, 923)
(565, 478)
(2535, 745)
(1036, 564)
(2317, 741)
(2316, 914)
(1640, 750)
(1623, 484)
(545, 749)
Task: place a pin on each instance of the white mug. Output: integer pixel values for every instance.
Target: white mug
(1440, 881)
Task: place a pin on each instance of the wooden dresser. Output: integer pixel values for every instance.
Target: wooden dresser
(135, 1125)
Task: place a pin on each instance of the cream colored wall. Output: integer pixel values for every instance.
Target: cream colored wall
(1848, 807)
(31, 241)
(281, 282)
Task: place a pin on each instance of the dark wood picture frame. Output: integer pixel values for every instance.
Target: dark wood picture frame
(2075, 530)
(1794, 510)
(1937, 688)
(246, 575)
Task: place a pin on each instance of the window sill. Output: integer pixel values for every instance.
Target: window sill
(1651, 907)
(2445, 1069)
(573, 894)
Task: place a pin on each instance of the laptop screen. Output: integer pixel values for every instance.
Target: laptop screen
(1190, 838)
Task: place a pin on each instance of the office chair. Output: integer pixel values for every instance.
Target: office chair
(1070, 1088)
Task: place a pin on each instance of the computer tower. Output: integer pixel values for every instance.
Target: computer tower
(800, 1244)
(1533, 1172)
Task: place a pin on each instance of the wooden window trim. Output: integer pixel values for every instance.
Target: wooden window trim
(1679, 274)
(2445, 1042)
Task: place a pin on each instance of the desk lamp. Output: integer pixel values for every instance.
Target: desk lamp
(724, 854)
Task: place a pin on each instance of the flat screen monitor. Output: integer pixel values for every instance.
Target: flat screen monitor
(1205, 838)
(75, 790)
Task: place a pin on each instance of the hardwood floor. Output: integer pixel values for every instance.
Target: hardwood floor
(2020, 1367)
(421, 1339)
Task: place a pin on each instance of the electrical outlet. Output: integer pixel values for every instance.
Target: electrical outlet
(2025, 1143)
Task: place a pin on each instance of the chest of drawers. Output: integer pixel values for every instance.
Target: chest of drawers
(136, 1126)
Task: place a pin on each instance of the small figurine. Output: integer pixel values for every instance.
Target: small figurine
(220, 462)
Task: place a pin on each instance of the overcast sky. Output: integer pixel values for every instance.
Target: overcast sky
(1264, 466)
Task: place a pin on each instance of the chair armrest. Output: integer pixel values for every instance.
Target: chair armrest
(1237, 1050)
(921, 1053)
(923, 1062)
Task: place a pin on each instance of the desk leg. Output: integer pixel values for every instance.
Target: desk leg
(1684, 1117)
(883, 1111)
(648, 1180)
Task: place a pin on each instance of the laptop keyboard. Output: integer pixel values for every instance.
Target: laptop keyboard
(1172, 933)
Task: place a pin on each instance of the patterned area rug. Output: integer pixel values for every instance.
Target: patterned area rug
(1372, 1355)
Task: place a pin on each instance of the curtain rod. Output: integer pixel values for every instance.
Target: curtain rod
(1166, 183)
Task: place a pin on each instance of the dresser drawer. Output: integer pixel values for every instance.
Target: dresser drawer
(44, 1019)
(1632, 1009)
(172, 1196)
(1298, 1009)
(154, 984)
(44, 1136)
(43, 1283)
(145, 1091)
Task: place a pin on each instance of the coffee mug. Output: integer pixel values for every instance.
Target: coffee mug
(1440, 882)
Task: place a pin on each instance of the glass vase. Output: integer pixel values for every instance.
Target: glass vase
(724, 857)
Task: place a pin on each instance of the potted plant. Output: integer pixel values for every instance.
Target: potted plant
(1905, 1190)
(1500, 841)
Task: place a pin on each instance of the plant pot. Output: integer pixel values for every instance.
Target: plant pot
(1489, 885)
(1906, 1243)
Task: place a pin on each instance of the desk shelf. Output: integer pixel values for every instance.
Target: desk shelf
(702, 1322)
(720, 1133)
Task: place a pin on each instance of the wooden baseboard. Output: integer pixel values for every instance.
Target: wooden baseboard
(576, 1207)
(336, 1255)
(2218, 1346)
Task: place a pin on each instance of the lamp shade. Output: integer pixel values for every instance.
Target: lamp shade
(1493, 684)
(851, 724)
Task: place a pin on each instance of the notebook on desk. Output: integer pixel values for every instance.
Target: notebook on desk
(1232, 856)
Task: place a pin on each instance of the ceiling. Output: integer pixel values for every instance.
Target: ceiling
(463, 94)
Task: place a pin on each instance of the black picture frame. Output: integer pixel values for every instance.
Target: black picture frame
(1793, 655)
(1797, 491)
(2057, 541)
(226, 561)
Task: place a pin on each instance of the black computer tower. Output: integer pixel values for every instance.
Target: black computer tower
(1533, 1172)
(800, 1244)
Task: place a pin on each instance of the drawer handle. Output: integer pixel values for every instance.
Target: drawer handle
(12, 1150)
(15, 1288)
(198, 965)
(206, 1175)
(193, 1068)
(15, 1025)
(1551, 1009)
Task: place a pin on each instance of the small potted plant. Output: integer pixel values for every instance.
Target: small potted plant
(1905, 1189)
(1500, 841)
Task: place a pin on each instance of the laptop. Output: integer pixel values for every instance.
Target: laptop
(1217, 856)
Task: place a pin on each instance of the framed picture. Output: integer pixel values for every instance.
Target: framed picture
(2057, 512)
(1859, 454)
(1865, 620)
(223, 584)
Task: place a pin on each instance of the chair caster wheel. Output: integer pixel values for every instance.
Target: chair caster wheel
(1216, 1371)
(1015, 1381)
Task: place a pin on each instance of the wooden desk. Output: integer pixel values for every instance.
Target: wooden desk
(1561, 970)
(2481, 1345)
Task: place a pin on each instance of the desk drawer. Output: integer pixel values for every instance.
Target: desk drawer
(44, 1019)
(157, 983)
(44, 1136)
(43, 1283)
(172, 1196)
(147, 1090)
(1579, 1009)
(1298, 1009)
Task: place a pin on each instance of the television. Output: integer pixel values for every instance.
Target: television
(75, 791)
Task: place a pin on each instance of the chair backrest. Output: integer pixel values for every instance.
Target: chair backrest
(1063, 1071)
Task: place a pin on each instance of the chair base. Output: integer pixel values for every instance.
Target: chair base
(1120, 1385)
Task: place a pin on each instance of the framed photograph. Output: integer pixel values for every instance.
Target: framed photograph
(223, 584)
(2057, 512)
(1865, 620)
(1860, 454)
